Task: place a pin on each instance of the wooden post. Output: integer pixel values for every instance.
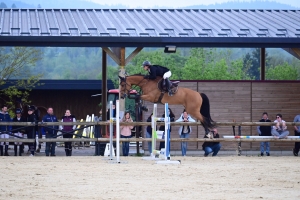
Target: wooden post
(262, 64)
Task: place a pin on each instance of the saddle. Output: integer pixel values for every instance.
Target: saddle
(164, 89)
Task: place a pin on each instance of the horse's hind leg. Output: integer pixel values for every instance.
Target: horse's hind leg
(195, 113)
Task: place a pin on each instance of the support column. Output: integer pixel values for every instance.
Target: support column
(104, 90)
(262, 64)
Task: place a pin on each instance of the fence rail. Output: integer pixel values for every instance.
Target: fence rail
(145, 123)
(149, 140)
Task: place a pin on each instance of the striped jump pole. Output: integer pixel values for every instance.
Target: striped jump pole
(258, 137)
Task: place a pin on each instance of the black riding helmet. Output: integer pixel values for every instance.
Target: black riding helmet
(146, 63)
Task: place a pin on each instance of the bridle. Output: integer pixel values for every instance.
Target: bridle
(123, 83)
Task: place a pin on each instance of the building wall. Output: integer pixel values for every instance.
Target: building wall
(79, 102)
(242, 101)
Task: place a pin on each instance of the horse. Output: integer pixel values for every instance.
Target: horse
(195, 103)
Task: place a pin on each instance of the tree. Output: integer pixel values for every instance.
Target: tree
(16, 65)
(13, 6)
(39, 6)
(282, 72)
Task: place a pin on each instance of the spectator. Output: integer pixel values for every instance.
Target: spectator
(126, 133)
(4, 117)
(280, 129)
(297, 133)
(184, 131)
(211, 147)
(98, 127)
(69, 129)
(51, 131)
(264, 131)
(31, 130)
(18, 131)
(149, 133)
(162, 128)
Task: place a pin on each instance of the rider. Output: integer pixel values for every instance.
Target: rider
(157, 70)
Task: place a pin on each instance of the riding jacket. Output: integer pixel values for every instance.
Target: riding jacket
(156, 70)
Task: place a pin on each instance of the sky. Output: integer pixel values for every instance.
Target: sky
(177, 3)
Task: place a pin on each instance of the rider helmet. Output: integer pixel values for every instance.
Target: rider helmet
(146, 63)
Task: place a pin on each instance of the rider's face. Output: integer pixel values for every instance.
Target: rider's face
(146, 67)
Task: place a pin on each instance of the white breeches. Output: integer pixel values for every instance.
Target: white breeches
(4, 136)
(20, 135)
(167, 74)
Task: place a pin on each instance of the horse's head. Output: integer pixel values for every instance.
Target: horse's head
(125, 87)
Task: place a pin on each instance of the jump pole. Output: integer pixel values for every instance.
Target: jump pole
(154, 136)
(258, 137)
(167, 140)
(111, 130)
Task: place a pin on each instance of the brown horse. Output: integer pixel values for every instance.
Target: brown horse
(195, 103)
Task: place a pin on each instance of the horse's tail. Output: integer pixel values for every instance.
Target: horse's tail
(205, 112)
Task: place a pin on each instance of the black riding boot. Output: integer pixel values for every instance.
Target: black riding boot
(16, 149)
(6, 150)
(1, 150)
(168, 86)
(70, 152)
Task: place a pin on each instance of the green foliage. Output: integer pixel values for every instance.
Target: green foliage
(282, 72)
(17, 63)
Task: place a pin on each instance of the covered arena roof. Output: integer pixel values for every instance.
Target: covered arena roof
(150, 27)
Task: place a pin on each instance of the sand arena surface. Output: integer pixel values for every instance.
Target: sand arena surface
(89, 177)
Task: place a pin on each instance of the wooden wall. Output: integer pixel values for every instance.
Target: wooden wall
(242, 101)
(79, 102)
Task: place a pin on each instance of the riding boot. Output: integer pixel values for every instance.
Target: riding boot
(70, 152)
(6, 150)
(169, 84)
(67, 152)
(1, 150)
(16, 149)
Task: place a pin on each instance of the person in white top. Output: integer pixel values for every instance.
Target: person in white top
(280, 129)
(184, 131)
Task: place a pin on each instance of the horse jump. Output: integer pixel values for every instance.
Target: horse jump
(195, 103)
(167, 157)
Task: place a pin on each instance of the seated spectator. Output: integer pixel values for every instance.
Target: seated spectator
(211, 147)
(280, 129)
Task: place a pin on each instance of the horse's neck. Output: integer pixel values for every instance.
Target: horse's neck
(137, 80)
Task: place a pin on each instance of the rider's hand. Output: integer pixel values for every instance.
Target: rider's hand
(146, 76)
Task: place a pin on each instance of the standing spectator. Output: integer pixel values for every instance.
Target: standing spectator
(184, 131)
(297, 133)
(126, 133)
(30, 130)
(264, 131)
(51, 131)
(280, 129)
(162, 128)
(4, 117)
(212, 147)
(69, 129)
(37, 114)
(149, 133)
(19, 132)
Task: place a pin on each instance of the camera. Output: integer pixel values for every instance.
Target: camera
(144, 108)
